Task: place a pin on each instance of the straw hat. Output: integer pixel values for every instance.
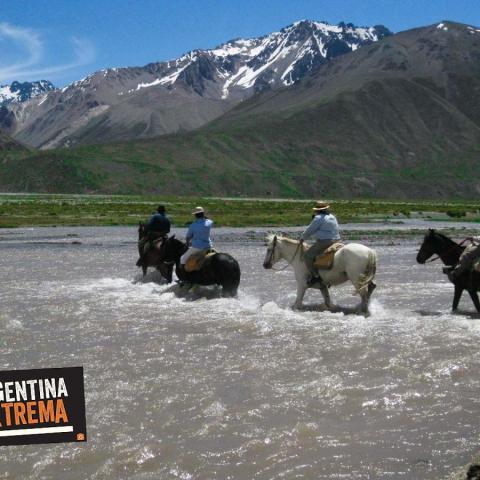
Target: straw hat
(320, 206)
(198, 210)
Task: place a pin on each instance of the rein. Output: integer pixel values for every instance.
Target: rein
(447, 251)
(288, 262)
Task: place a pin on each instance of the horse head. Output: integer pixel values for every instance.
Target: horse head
(428, 247)
(172, 249)
(273, 254)
(439, 244)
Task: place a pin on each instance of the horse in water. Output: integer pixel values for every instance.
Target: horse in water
(449, 252)
(153, 258)
(217, 269)
(353, 262)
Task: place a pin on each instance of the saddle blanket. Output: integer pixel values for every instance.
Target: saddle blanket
(476, 266)
(325, 260)
(476, 262)
(196, 261)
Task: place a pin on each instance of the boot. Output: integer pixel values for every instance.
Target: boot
(314, 280)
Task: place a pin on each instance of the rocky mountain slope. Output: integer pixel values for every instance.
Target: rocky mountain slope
(399, 118)
(182, 94)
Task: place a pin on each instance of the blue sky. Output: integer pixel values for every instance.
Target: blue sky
(64, 40)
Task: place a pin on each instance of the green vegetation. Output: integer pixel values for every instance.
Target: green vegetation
(18, 210)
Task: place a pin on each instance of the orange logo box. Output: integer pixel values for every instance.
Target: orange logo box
(80, 437)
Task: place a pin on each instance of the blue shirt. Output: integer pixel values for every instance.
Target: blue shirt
(199, 233)
(323, 227)
(158, 223)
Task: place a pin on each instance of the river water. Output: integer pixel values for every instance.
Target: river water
(181, 387)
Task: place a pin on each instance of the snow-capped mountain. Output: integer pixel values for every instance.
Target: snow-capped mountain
(22, 91)
(185, 93)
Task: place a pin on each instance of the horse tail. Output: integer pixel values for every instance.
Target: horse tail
(231, 283)
(367, 276)
(227, 272)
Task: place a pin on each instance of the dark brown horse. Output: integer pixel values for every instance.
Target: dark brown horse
(449, 252)
(153, 258)
(219, 269)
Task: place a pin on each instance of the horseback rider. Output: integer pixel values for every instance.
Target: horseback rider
(158, 226)
(198, 235)
(467, 259)
(324, 228)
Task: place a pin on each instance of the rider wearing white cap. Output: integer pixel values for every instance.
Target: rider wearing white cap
(198, 235)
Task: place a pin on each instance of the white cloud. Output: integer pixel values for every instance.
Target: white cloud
(30, 67)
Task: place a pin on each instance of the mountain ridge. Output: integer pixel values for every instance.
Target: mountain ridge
(184, 93)
(17, 92)
(399, 118)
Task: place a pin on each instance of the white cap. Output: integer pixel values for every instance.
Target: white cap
(198, 210)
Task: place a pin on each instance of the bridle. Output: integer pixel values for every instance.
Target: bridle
(447, 251)
(272, 253)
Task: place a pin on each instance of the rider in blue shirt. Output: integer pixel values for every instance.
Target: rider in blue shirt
(198, 235)
(325, 230)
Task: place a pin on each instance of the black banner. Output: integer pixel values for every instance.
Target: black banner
(42, 406)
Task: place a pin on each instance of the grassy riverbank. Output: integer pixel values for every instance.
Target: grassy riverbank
(36, 210)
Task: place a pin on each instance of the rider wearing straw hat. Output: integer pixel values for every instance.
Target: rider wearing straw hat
(324, 229)
(198, 235)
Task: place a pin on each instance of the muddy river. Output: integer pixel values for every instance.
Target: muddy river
(190, 386)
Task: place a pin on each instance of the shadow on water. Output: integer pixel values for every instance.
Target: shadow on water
(321, 307)
(459, 313)
(152, 276)
(186, 291)
(428, 313)
(191, 292)
(467, 313)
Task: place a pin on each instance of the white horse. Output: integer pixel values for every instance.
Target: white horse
(354, 262)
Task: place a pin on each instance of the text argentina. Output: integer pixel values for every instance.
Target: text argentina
(29, 402)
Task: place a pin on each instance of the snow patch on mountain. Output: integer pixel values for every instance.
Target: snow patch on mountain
(18, 92)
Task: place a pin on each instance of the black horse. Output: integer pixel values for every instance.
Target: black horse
(153, 258)
(218, 269)
(449, 252)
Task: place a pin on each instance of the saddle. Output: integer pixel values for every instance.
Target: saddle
(157, 243)
(197, 260)
(325, 260)
(476, 263)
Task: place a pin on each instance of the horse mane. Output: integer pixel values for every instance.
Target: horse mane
(176, 240)
(280, 238)
(442, 236)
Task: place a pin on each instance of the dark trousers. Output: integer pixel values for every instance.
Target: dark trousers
(467, 260)
(316, 249)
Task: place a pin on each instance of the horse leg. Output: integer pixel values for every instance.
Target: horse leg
(326, 296)
(144, 269)
(365, 296)
(301, 289)
(456, 297)
(170, 273)
(474, 297)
